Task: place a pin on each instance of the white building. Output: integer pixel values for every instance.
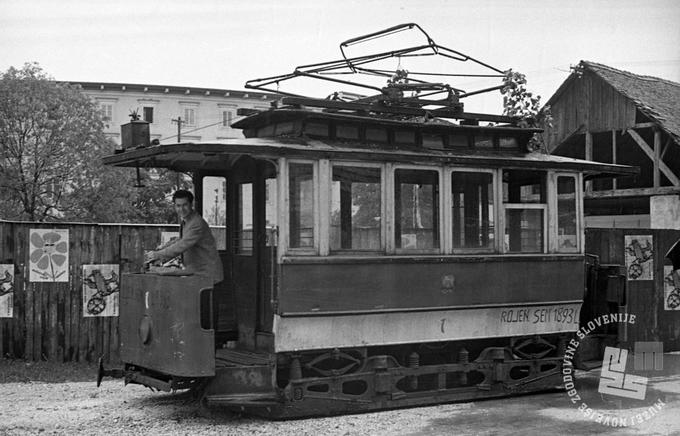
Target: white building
(206, 113)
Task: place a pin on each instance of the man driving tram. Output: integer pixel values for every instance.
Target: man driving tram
(196, 243)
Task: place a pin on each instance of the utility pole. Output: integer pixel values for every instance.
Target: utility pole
(179, 139)
(179, 128)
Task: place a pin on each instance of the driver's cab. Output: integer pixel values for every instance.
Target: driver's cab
(240, 206)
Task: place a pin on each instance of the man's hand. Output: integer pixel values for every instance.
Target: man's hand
(150, 256)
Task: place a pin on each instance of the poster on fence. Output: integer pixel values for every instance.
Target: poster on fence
(639, 257)
(100, 290)
(6, 290)
(671, 289)
(48, 260)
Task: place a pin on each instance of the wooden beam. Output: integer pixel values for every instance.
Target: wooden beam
(614, 156)
(635, 192)
(644, 125)
(650, 153)
(666, 146)
(657, 157)
(589, 156)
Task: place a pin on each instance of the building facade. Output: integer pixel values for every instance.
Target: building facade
(203, 114)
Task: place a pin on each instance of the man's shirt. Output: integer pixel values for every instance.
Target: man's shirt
(198, 248)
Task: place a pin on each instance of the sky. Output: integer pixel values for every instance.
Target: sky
(222, 44)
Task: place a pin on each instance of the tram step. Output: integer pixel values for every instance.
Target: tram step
(229, 357)
(264, 399)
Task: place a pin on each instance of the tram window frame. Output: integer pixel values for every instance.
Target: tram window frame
(312, 249)
(346, 131)
(381, 190)
(318, 129)
(577, 213)
(439, 243)
(484, 141)
(405, 137)
(377, 134)
(512, 206)
(492, 246)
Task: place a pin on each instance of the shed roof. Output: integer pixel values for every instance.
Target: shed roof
(659, 99)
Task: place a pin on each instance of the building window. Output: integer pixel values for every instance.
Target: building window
(524, 201)
(148, 114)
(226, 118)
(416, 208)
(189, 117)
(301, 205)
(567, 241)
(472, 210)
(356, 217)
(107, 111)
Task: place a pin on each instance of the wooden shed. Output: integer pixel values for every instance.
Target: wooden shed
(608, 115)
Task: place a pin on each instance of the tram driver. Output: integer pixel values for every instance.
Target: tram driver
(196, 243)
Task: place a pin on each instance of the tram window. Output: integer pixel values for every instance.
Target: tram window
(524, 198)
(523, 186)
(266, 131)
(244, 226)
(405, 137)
(355, 209)
(524, 230)
(473, 210)
(483, 141)
(378, 135)
(566, 214)
(316, 129)
(271, 211)
(416, 209)
(433, 141)
(508, 142)
(285, 128)
(215, 208)
(456, 141)
(344, 131)
(301, 205)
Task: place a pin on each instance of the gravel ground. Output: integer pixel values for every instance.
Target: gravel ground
(41, 405)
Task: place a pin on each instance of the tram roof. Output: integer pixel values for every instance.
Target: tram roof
(220, 155)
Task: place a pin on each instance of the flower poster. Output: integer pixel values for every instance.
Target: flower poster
(6, 290)
(639, 257)
(671, 293)
(100, 290)
(48, 255)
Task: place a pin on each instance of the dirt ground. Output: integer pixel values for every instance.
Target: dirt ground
(63, 399)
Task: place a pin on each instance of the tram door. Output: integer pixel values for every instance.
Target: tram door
(252, 250)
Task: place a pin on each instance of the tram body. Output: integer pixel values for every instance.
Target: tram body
(370, 263)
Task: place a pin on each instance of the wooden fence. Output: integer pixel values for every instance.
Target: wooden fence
(48, 320)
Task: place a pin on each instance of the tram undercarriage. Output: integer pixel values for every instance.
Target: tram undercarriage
(290, 385)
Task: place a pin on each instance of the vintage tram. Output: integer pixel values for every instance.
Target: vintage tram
(378, 254)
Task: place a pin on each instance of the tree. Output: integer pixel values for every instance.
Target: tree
(520, 103)
(51, 145)
(50, 141)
